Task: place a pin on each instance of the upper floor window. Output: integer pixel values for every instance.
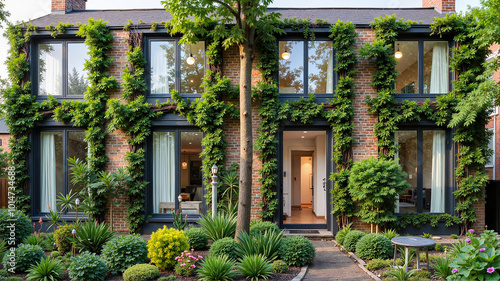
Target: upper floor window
(173, 66)
(422, 67)
(60, 68)
(306, 67)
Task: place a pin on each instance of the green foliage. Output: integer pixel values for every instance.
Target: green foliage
(373, 246)
(25, 257)
(62, 236)
(375, 184)
(197, 238)
(3, 248)
(87, 266)
(220, 226)
(186, 263)
(266, 244)
(229, 194)
(92, 237)
(279, 266)
(216, 268)
(390, 233)
(23, 225)
(168, 278)
(297, 251)
(420, 275)
(55, 254)
(15, 278)
(442, 267)
(59, 29)
(351, 239)
(123, 251)
(165, 245)
(418, 219)
(453, 236)
(226, 246)
(180, 221)
(263, 226)
(400, 274)
(375, 264)
(341, 234)
(141, 272)
(255, 267)
(46, 269)
(4, 273)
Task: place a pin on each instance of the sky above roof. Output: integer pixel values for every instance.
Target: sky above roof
(30, 9)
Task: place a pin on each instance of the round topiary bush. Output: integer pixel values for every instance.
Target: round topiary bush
(225, 246)
(341, 234)
(373, 246)
(62, 235)
(23, 257)
(262, 226)
(165, 245)
(87, 266)
(124, 251)
(141, 272)
(23, 225)
(351, 239)
(279, 266)
(55, 254)
(197, 238)
(297, 251)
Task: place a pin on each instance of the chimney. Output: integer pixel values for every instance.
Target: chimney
(65, 6)
(446, 6)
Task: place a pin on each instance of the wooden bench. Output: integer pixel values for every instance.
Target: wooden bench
(185, 205)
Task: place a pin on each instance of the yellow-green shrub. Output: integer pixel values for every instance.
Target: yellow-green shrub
(165, 245)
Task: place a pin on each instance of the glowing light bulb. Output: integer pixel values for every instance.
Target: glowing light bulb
(190, 60)
(285, 55)
(398, 54)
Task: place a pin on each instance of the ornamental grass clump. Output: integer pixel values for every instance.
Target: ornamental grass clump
(124, 251)
(165, 245)
(373, 246)
(266, 244)
(223, 225)
(92, 236)
(216, 268)
(46, 269)
(255, 267)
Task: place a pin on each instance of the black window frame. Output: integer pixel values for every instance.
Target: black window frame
(320, 97)
(152, 98)
(34, 67)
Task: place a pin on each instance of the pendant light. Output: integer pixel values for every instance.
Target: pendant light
(285, 55)
(190, 60)
(398, 54)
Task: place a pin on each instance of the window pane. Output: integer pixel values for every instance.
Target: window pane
(320, 68)
(50, 69)
(436, 67)
(77, 77)
(291, 70)
(491, 143)
(407, 67)
(407, 154)
(163, 171)
(192, 74)
(191, 169)
(162, 67)
(77, 148)
(51, 169)
(433, 171)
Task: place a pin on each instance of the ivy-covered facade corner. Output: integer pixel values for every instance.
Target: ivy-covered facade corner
(333, 90)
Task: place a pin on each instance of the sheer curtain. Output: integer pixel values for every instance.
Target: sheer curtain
(159, 71)
(48, 172)
(163, 169)
(329, 74)
(53, 70)
(396, 156)
(438, 172)
(439, 70)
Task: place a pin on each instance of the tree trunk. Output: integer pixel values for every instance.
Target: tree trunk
(246, 148)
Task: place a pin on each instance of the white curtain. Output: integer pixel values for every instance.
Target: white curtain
(396, 156)
(438, 172)
(53, 72)
(163, 169)
(329, 73)
(48, 172)
(159, 72)
(439, 70)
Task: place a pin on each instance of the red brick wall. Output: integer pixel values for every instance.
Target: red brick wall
(66, 5)
(5, 142)
(442, 5)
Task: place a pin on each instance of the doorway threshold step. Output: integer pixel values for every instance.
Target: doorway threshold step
(310, 233)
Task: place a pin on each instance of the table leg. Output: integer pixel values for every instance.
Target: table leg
(427, 257)
(418, 258)
(395, 252)
(406, 259)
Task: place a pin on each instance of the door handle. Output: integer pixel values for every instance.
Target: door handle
(324, 184)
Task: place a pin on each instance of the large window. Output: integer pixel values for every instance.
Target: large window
(176, 67)
(55, 148)
(422, 66)
(60, 68)
(306, 67)
(176, 171)
(422, 155)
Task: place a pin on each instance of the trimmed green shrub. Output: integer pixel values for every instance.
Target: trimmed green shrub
(216, 268)
(55, 254)
(373, 246)
(351, 239)
(439, 248)
(87, 266)
(261, 226)
(340, 236)
(378, 264)
(15, 278)
(297, 251)
(62, 235)
(168, 278)
(141, 272)
(165, 245)
(25, 257)
(46, 269)
(225, 246)
(123, 251)
(197, 238)
(279, 266)
(255, 267)
(23, 225)
(4, 273)
(454, 236)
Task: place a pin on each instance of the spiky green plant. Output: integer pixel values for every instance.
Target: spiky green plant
(255, 267)
(216, 268)
(46, 269)
(220, 226)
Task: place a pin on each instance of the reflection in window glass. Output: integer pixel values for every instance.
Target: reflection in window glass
(163, 169)
(491, 145)
(162, 67)
(407, 154)
(77, 148)
(50, 69)
(191, 169)
(291, 70)
(320, 67)
(77, 80)
(192, 75)
(436, 67)
(407, 67)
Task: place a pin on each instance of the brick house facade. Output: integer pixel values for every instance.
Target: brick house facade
(295, 143)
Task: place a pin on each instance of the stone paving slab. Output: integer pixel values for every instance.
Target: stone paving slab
(331, 264)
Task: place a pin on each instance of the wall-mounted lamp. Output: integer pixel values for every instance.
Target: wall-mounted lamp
(398, 54)
(285, 55)
(184, 165)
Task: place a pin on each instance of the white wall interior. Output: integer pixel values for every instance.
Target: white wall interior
(320, 173)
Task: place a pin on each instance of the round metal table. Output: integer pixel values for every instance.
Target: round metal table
(413, 242)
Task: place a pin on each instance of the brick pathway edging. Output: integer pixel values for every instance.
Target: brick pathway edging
(361, 263)
(301, 274)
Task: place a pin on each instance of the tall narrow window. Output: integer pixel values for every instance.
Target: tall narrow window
(163, 169)
(162, 67)
(320, 71)
(407, 67)
(291, 67)
(77, 77)
(50, 67)
(192, 74)
(407, 155)
(436, 67)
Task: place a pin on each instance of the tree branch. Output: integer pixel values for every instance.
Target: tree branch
(236, 15)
